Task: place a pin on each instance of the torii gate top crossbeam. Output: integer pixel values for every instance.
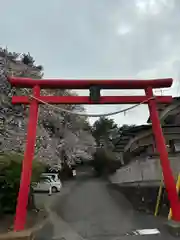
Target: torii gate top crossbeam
(86, 84)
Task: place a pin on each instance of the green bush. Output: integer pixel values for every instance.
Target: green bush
(10, 171)
(105, 162)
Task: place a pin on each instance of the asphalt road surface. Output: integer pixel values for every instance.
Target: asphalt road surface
(97, 211)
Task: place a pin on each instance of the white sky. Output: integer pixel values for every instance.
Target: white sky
(98, 39)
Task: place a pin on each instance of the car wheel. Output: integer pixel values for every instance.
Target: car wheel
(54, 189)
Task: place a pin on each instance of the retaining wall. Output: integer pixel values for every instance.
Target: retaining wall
(148, 170)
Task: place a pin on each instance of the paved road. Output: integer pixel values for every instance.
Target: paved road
(96, 211)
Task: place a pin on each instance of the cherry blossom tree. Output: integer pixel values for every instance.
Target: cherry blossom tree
(61, 136)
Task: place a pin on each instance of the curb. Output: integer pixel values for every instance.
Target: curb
(40, 225)
(27, 234)
(62, 230)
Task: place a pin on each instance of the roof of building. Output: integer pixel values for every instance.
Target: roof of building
(122, 140)
(162, 107)
(124, 137)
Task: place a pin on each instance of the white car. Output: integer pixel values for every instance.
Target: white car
(47, 185)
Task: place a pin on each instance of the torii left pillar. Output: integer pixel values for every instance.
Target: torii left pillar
(27, 163)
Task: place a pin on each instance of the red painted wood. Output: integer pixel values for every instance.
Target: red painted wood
(165, 164)
(85, 84)
(86, 100)
(21, 208)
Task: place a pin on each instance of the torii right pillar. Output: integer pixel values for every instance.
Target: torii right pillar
(162, 150)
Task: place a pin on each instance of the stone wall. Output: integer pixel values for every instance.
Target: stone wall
(144, 170)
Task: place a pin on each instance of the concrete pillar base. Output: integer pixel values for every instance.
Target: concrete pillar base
(173, 228)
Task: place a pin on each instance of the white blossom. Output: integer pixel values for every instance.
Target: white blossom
(60, 135)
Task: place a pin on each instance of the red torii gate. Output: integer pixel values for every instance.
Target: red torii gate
(37, 85)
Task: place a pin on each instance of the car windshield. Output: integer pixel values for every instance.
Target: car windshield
(45, 179)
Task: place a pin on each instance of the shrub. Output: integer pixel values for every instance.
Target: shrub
(105, 162)
(10, 171)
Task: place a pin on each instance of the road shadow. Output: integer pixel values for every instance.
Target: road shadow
(143, 219)
(45, 233)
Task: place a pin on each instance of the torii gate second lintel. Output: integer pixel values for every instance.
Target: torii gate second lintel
(37, 85)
